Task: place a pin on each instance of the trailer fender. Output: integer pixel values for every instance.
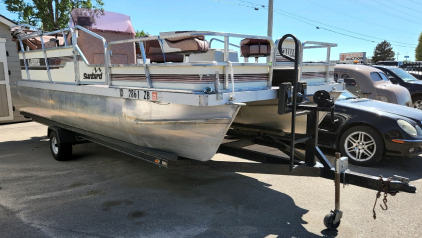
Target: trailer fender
(64, 136)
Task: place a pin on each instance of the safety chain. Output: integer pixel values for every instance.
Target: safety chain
(385, 187)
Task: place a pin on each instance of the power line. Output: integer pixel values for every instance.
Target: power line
(323, 28)
(404, 6)
(357, 18)
(383, 12)
(306, 21)
(233, 3)
(396, 9)
(337, 27)
(415, 2)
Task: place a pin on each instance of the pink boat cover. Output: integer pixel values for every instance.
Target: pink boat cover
(110, 21)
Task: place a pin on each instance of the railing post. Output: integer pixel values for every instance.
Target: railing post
(226, 59)
(144, 58)
(45, 58)
(75, 57)
(24, 60)
(107, 61)
(327, 68)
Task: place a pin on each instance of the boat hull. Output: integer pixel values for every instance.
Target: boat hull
(193, 132)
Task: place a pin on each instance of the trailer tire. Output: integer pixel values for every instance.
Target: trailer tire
(59, 151)
(329, 221)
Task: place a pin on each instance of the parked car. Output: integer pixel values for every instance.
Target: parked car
(369, 82)
(367, 130)
(403, 78)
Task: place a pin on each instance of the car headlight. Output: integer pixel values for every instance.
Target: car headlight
(407, 127)
(381, 98)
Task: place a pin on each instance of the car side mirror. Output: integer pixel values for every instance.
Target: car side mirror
(392, 79)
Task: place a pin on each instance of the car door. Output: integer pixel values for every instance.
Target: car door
(6, 110)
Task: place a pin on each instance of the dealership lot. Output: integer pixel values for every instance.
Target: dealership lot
(104, 193)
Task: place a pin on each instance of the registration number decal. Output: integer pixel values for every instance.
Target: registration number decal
(140, 94)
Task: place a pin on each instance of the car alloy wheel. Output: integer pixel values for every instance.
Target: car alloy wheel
(362, 144)
(417, 102)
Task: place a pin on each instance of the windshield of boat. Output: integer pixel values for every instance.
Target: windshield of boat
(346, 95)
(403, 75)
(105, 22)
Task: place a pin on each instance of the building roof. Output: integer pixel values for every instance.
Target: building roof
(7, 21)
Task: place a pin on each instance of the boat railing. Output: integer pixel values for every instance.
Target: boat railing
(108, 52)
(228, 64)
(316, 45)
(106, 56)
(222, 42)
(37, 33)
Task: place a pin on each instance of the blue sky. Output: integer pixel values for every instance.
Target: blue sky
(397, 21)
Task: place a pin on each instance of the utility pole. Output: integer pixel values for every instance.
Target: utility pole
(270, 22)
(270, 18)
(398, 53)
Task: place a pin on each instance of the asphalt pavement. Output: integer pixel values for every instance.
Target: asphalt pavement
(104, 193)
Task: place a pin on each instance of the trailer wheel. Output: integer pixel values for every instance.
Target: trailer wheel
(329, 221)
(60, 151)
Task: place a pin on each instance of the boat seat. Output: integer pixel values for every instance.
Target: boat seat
(155, 54)
(255, 47)
(93, 48)
(49, 42)
(186, 45)
(175, 48)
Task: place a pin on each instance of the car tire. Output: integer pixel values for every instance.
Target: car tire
(363, 145)
(59, 151)
(417, 102)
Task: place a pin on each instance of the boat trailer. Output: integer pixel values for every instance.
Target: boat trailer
(312, 163)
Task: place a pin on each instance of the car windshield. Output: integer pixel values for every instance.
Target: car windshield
(404, 75)
(345, 95)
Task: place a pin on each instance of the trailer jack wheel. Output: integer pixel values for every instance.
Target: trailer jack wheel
(330, 221)
(60, 151)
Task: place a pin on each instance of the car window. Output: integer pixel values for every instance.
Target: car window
(385, 78)
(404, 75)
(388, 74)
(376, 77)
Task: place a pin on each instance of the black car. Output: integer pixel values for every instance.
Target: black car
(403, 78)
(366, 130)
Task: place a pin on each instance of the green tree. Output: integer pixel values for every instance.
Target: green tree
(418, 50)
(383, 52)
(50, 14)
(141, 33)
